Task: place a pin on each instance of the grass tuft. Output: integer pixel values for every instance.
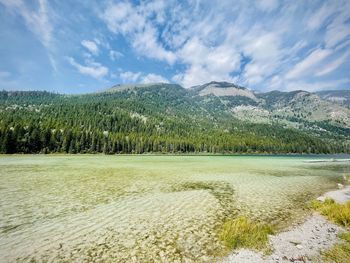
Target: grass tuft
(338, 213)
(244, 233)
(340, 253)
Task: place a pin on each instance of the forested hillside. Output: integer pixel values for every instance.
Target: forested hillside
(162, 118)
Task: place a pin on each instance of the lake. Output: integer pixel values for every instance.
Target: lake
(147, 208)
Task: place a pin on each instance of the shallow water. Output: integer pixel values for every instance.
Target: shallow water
(146, 208)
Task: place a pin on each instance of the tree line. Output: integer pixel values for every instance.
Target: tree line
(35, 139)
(124, 123)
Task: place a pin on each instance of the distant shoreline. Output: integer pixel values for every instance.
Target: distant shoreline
(336, 157)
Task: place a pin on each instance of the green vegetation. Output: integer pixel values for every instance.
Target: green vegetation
(152, 119)
(244, 233)
(339, 253)
(338, 213)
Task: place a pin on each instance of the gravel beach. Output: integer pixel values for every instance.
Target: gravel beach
(300, 243)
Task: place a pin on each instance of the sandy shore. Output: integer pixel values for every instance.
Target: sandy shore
(301, 243)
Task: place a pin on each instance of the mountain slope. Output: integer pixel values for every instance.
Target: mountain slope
(168, 118)
(290, 108)
(306, 106)
(340, 96)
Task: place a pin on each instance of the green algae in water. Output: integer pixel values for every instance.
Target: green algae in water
(146, 208)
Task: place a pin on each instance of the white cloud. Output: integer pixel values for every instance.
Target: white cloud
(37, 21)
(145, 42)
(91, 46)
(267, 5)
(259, 44)
(249, 44)
(7, 82)
(264, 49)
(114, 55)
(139, 77)
(131, 22)
(154, 78)
(318, 18)
(315, 86)
(206, 63)
(306, 65)
(338, 30)
(339, 47)
(336, 33)
(195, 75)
(280, 83)
(128, 76)
(333, 65)
(4, 74)
(93, 69)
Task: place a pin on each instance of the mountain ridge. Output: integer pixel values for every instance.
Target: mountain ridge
(243, 102)
(340, 96)
(169, 118)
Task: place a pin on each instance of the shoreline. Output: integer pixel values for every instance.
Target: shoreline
(299, 243)
(340, 196)
(335, 157)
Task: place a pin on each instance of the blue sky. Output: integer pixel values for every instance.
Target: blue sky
(85, 46)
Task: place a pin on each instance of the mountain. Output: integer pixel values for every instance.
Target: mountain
(340, 96)
(292, 108)
(217, 117)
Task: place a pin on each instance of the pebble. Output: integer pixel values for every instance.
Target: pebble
(275, 257)
(299, 246)
(331, 230)
(295, 242)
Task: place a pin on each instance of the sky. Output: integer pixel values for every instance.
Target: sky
(83, 46)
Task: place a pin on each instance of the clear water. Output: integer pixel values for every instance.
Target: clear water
(99, 208)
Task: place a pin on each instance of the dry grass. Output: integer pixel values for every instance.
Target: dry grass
(338, 213)
(340, 253)
(244, 233)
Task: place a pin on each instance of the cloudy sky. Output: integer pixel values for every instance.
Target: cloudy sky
(84, 46)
